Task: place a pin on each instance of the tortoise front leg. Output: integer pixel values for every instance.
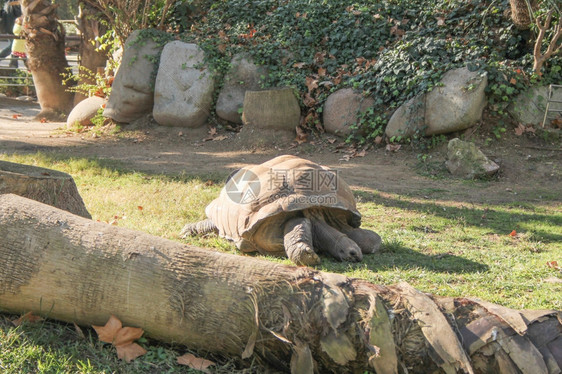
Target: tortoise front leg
(328, 239)
(298, 241)
(369, 241)
(198, 228)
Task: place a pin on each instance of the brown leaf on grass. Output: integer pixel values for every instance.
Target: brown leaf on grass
(79, 331)
(513, 81)
(195, 362)
(130, 352)
(27, 317)
(440, 21)
(299, 65)
(140, 207)
(121, 338)
(513, 233)
(107, 332)
(553, 265)
(322, 72)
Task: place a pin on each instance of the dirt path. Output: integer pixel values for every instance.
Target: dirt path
(531, 169)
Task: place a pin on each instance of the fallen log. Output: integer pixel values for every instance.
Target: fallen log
(295, 319)
(45, 185)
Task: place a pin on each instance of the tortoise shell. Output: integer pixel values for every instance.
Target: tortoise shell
(256, 202)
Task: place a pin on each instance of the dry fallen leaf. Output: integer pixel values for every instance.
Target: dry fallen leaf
(27, 317)
(519, 130)
(513, 81)
(16, 116)
(79, 331)
(302, 136)
(378, 139)
(121, 338)
(107, 333)
(360, 154)
(130, 352)
(140, 207)
(221, 137)
(513, 233)
(393, 147)
(43, 120)
(195, 362)
(553, 265)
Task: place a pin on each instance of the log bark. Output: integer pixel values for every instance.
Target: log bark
(293, 318)
(45, 185)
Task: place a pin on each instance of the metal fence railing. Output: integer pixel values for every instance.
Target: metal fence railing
(20, 76)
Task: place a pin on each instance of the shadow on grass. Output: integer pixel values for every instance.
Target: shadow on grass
(47, 158)
(497, 218)
(393, 255)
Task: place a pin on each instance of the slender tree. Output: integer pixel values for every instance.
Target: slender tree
(46, 57)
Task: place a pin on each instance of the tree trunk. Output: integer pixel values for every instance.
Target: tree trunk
(44, 185)
(293, 318)
(520, 13)
(90, 58)
(46, 57)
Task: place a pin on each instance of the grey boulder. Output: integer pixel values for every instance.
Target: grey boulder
(465, 160)
(132, 92)
(455, 105)
(183, 92)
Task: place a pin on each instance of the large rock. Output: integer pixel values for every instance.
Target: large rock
(529, 106)
(454, 106)
(243, 76)
(183, 93)
(274, 109)
(84, 111)
(342, 110)
(132, 93)
(465, 160)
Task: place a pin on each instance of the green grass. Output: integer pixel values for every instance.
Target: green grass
(443, 247)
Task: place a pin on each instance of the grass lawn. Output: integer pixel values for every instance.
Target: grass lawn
(443, 247)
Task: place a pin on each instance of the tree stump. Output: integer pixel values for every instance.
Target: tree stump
(276, 109)
(44, 185)
(295, 319)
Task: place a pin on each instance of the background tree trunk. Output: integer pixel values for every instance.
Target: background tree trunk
(520, 14)
(293, 318)
(90, 58)
(46, 57)
(45, 185)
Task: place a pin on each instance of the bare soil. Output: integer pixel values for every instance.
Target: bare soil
(531, 164)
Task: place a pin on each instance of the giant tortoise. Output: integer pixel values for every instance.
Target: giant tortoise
(289, 205)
